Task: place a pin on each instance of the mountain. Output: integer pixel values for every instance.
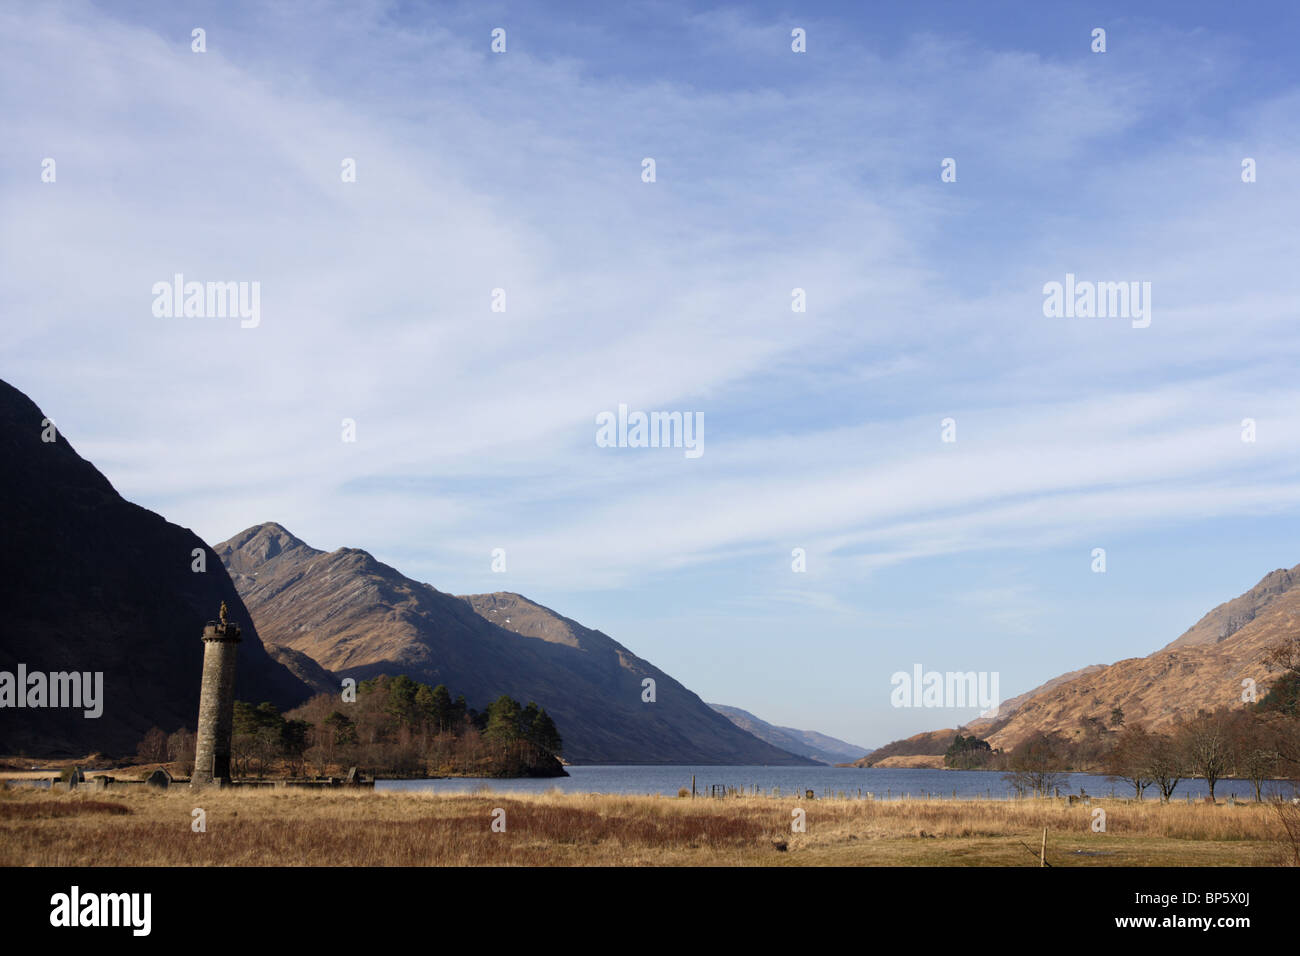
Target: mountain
(927, 749)
(806, 743)
(1008, 708)
(305, 669)
(1202, 669)
(90, 582)
(357, 617)
(1231, 616)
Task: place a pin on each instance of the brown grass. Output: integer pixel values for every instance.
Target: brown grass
(348, 828)
(46, 809)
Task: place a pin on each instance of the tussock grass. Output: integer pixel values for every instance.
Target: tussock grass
(46, 809)
(257, 827)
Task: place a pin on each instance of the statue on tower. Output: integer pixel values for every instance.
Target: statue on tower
(223, 613)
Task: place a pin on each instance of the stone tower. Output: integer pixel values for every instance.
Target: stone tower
(216, 703)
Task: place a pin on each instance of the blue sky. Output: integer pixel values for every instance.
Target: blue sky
(775, 171)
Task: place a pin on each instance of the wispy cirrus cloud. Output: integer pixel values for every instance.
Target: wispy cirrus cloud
(522, 172)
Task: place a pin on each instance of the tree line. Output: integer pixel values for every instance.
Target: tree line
(395, 727)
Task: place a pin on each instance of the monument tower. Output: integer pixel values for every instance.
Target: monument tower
(216, 703)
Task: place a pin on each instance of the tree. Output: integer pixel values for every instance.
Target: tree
(967, 753)
(180, 750)
(294, 744)
(401, 704)
(1117, 717)
(1254, 741)
(243, 739)
(424, 705)
(256, 738)
(1288, 815)
(344, 731)
(1164, 764)
(442, 712)
(1284, 656)
(1207, 747)
(1130, 759)
(1090, 746)
(503, 720)
(545, 734)
(527, 718)
(400, 726)
(1283, 697)
(1036, 765)
(153, 748)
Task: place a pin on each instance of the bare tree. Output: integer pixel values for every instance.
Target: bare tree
(1288, 814)
(1207, 747)
(1254, 740)
(153, 748)
(1129, 760)
(1036, 765)
(1164, 764)
(1284, 656)
(180, 750)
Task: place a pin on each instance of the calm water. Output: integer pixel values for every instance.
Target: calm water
(883, 783)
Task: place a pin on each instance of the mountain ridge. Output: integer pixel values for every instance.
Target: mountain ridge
(357, 617)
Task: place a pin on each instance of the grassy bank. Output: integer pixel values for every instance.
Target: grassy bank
(267, 827)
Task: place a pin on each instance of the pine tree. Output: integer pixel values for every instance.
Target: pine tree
(545, 734)
(526, 721)
(503, 720)
(442, 713)
(401, 699)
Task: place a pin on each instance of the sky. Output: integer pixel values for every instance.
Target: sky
(523, 171)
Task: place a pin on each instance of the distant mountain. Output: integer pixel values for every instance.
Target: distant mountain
(1202, 669)
(806, 743)
(91, 582)
(357, 617)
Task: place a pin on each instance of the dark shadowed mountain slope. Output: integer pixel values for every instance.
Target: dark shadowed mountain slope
(358, 618)
(91, 582)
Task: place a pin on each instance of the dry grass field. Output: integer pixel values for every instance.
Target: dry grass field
(260, 827)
